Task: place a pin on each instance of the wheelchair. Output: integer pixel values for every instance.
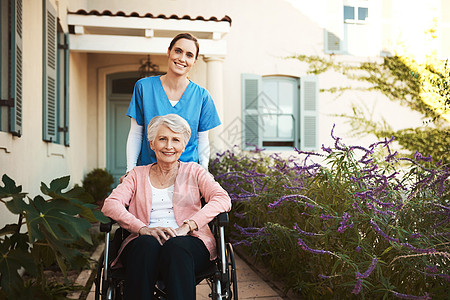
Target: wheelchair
(221, 277)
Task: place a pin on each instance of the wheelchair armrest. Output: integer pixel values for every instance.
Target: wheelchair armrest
(106, 227)
(222, 219)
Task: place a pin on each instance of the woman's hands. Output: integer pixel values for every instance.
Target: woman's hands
(162, 234)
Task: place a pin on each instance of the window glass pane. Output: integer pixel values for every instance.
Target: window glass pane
(269, 123)
(285, 127)
(363, 13)
(268, 102)
(286, 96)
(349, 12)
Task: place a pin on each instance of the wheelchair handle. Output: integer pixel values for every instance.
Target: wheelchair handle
(106, 227)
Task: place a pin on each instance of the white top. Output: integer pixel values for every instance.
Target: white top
(162, 209)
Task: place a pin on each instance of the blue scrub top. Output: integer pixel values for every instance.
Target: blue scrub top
(195, 105)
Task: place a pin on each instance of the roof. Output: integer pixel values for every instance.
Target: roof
(149, 15)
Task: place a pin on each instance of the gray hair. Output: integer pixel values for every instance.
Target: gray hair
(174, 122)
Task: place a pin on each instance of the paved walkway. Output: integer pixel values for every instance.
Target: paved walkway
(250, 285)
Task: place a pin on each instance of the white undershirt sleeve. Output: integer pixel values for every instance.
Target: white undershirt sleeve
(203, 149)
(134, 143)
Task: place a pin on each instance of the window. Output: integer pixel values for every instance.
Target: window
(356, 29)
(56, 79)
(348, 29)
(279, 112)
(11, 67)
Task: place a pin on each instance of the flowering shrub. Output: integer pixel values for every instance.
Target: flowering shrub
(352, 226)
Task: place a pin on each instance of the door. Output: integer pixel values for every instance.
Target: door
(119, 91)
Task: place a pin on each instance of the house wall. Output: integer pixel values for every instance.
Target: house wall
(28, 159)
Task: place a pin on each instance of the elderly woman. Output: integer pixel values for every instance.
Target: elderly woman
(170, 238)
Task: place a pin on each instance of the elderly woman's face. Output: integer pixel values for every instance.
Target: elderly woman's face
(167, 145)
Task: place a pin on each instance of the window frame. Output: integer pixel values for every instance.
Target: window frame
(11, 70)
(55, 102)
(305, 106)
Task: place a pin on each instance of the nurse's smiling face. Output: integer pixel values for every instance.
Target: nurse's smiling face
(182, 56)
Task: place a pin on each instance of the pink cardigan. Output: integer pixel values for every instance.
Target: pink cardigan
(191, 183)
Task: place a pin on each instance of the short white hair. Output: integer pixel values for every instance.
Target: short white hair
(174, 122)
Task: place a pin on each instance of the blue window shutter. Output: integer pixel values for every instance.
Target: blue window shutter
(251, 90)
(16, 67)
(309, 91)
(66, 89)
(50, 125)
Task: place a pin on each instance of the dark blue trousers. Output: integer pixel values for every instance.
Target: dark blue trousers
(175, 263)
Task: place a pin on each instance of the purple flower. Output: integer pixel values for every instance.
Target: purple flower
(387, 237)
(315, 251)
(287, 198)
(358, 249)
(327, 149)
(415, 235)
(326, 217)
(418, 250)
(358, 286)
(304, 232)
(369, 270)
(432, 269)
(412, 297)
(343, 224)
(324, 276)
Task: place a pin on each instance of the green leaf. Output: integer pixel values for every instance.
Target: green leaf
(9, 229)
(9, 188)
(386, 250)
(17, 205)
(11, 260)
(56, 186)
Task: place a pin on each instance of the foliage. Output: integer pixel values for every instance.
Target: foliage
(98, 183)
(350, 227)
(422, 87)
(45, 230)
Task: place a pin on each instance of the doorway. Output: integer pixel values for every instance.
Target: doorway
(119, 90)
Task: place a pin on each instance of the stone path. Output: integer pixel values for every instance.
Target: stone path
(250, 285)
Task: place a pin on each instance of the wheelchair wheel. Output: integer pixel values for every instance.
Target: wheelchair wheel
(232, 278)
(106, 289)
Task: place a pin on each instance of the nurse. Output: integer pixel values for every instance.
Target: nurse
(172, 93)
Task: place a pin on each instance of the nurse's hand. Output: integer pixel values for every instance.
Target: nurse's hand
(162, 234)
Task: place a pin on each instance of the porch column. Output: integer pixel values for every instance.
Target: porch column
(214, 84)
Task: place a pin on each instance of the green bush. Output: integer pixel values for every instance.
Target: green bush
(98, 183)
(351, 227)
(45, 234)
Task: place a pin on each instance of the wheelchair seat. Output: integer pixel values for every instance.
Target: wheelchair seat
(221, 276)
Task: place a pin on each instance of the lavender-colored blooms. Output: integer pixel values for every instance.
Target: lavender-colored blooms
(304, 232)
(343, 224)
(416, 235)
(418, 250)
(315, 251)
(358, 249)
(431, 269)
(369, 270)
(358, 286)
(326, 217)
(287, 198)
(411, 297)
(377, 229)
